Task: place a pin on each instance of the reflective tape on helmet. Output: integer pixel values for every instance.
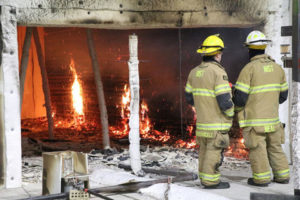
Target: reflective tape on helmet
(282, 173)
(242, 87)
(256, 40)
(259, 122)
(188, 88)
(222, 88)
(209, 177)
(257, 47)
(262, 176)
(215, 126)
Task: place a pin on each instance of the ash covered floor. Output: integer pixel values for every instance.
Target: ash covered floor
(104, 170)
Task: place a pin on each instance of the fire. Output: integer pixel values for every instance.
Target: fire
(146, 128)
(76, 91)
(77, 103)
(191, 142)
(242, 141)
(237, 148)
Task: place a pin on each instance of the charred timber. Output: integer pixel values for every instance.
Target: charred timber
(170, 172)
(45, 82)
(24, 61)
(99, 89)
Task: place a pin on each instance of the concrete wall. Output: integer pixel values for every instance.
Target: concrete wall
(125, 14)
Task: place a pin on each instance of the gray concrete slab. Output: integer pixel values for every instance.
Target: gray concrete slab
(239, 189)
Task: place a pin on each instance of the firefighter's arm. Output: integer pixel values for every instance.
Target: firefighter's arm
(283, 90)
(223, 94)
(189, 92)
(242, 89)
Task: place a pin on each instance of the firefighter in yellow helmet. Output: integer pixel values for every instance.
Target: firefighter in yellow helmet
(260, 88)
(207, 89)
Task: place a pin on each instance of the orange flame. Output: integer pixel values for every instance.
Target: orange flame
(146, 127)
(76, 91)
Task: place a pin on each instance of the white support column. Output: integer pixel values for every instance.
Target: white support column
(134, 122)
(10, 98)
(296, 133)
(272, 29)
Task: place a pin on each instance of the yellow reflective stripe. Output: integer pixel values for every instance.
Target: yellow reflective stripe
(188, 88)
(205, 134)
(222, 88)
(242, 84)
(259, 122)
(284, 86)
(203, 92)
(216, 126)
(229, 112)
(265, 88)
(209, 177)
(200, 175)
(282, 173)
(236, 108)
(260, 176)
(242, 87)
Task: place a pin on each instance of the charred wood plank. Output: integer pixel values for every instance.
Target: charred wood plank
(135, 186)
(44, 82)
(169, 172)
(24, 60)
(98, 195)
(99, 89)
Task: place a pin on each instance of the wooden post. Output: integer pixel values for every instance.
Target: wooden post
(99, 89)
(24, 61)
(134, 122)
(45, 82)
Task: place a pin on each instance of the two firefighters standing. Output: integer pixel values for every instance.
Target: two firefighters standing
(260, 88)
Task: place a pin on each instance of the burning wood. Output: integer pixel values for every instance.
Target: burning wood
(147, 130)
(77, 97)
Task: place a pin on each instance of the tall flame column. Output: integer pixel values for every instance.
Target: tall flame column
(134, 81)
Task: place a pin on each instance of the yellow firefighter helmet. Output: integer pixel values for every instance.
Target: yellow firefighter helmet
(211, 46)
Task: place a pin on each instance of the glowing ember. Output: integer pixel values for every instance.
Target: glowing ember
(242, 140)
(146, 128)
(191, 142)
(237, 148)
